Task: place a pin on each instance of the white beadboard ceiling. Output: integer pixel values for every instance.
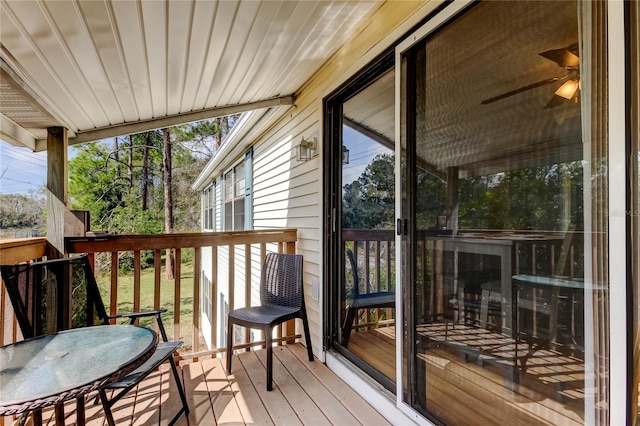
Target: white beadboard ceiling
(108, 68)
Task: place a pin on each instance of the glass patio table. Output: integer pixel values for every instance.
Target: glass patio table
(51, 369)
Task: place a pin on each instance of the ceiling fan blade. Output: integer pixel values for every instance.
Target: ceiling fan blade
(521, 89)
(555, 101)
(565, 58)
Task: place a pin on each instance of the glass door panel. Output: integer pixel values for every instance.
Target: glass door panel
(367, 296)
(506, 282)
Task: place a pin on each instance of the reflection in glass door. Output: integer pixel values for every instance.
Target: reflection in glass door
(364, 248)
(506, 286)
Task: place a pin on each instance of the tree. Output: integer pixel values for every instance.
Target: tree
(20, 211)
(168, 199)
(204, 138)
(369, 201)
(130, 186)
(547, 197)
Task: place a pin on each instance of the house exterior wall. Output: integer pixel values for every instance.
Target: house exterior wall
(288, 193)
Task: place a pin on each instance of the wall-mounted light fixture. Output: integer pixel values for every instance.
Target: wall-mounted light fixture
(307, 148)
(345, 155)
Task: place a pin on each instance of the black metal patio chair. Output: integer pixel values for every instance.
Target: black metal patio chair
(358, 300)
(37, 290)
(281, 299)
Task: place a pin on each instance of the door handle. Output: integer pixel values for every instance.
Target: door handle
(401, 226)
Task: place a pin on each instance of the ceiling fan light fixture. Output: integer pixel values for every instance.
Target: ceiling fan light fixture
(568, 89)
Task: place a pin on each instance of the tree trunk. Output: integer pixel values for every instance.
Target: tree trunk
(145, 172)
(218, 134)
(116, 154)
(130, 163)
(168, 200)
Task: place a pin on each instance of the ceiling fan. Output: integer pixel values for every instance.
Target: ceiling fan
(566, 58)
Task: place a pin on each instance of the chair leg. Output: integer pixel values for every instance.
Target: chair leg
(348, 324)
(229, 344)
(307, 336)
(183, 397)
(106, 405)
(269, 343)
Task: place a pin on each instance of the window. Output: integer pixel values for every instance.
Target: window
(238, 195)
(234, 198)
(206, 302)
(208, 208)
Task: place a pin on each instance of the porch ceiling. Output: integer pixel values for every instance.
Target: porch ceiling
(108, 68)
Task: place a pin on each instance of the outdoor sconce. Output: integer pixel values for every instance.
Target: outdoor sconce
(345, 155)
(307, 149)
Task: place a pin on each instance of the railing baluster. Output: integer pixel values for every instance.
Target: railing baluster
(232, 278)
(247, 286)
(136, 281)
(195, 332)
(214, 295)
(176, 295)
(367, 280)
(157, 277)
(113, 295)
(378, 277)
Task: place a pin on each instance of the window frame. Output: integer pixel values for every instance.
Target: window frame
(232, 196)
(209, 207)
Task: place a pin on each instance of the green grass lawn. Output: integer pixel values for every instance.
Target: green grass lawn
(125, 298)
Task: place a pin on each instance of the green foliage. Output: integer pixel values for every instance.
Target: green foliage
(544, 198)
(93, 185)
(547, 197)
(20, 211)
(121, 183)
(122, 186)
(369, 202)
(147, 291)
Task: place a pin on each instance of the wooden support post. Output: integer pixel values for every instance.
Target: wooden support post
(57, 188)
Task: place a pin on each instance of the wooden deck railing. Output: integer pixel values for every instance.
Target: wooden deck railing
(235, 244)
(531, 252)
(11, 252)
(374, 252)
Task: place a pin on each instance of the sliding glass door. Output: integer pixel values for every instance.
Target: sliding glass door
(503, 155)
(361, 254)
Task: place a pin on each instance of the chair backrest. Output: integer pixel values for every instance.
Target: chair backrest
(281, 280)
(54, 295)
(354, 271)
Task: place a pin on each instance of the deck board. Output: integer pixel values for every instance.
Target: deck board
(276, 404)
(353, 402)
(305, 393)
(331, 408)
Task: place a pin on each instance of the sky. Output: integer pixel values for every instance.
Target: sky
(21, 170)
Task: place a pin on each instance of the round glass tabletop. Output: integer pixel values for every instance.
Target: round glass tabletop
(69, 363)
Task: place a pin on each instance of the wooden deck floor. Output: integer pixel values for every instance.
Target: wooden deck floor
(305, 393)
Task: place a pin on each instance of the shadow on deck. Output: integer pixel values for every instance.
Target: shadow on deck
(305, 393)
